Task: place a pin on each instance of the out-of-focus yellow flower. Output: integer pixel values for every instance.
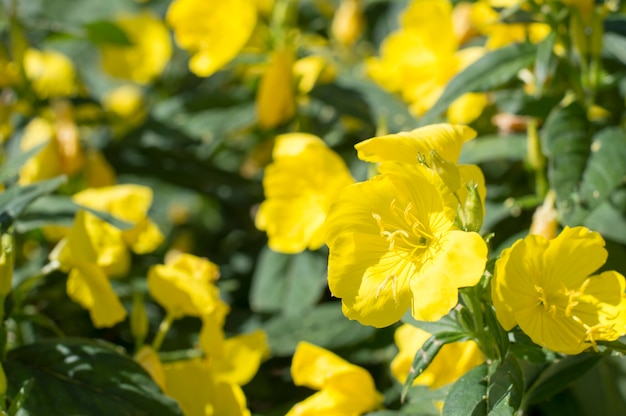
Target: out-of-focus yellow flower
(544, 287)
(61, 155)
(184, 286)
(311, 70)
(126, 104)
(149, 360)
(420, 58)
(348, 22)
(276, 98)
(194, 386)
(300, 185)
(451, 363)
(90, 251)
(51, 73)
(98, 172)
(487, 22)
(150, 51)
(344, 388)
(394, 246)
(212, 32)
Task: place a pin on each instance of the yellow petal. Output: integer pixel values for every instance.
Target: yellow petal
(213, 32)
(300, 185)
(150, 51)
(46, 163)
(149, 360)
(241, 358)
(51, 73)
(185, 286)
(445, 139)
(467, 108)
(89, 286)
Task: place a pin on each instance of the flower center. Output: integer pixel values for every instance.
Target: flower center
(406, 234)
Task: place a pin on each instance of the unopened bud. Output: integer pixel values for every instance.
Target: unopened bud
(138, 318)
(6, 263)
(545, 219)
(448, 171)
(348, 22)
(473, 210)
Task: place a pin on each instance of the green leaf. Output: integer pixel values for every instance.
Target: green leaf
(489, 72)
(22, 394)
(608, 221)
(106, 32)
(615, 45)
(74, 376)
(16, 199)
(425, 355)
(60, 210)
(286, 283)
(467, 395)
(566, 142)
(11, 166)
(488, 148)
(559, 375)
(325, 325)
(444, 325)
(606, 167)
(545, 64)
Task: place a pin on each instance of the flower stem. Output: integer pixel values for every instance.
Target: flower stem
(164, 327)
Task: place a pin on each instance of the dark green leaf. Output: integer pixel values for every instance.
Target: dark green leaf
(84, 377)
(516, 101)
(425, 355)
(566, 142)
(16, 199)
(446, 324)
(506, 389)
(489, 72)
(285, 283)
(487, 148)
(22, 394)
(559, 375)
(104, 31)
(615, 46)
(60, 210)
(606, 167)
(608, 221)
(467, 395)
(12, 165)
(545, 64)
(325, 325)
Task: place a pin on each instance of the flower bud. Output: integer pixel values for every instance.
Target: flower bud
(138, 318)
(545, 219)
(473, 209)
(348, 22)
(448, 171)
(6, 263)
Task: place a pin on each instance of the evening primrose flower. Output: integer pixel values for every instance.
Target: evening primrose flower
(344, 388)
(451, 363)
(212, 32)
(420, 58)
(394, 246)
(150, 51)
(184, 286)
(300, 185)
(545, 287)
(51, 73)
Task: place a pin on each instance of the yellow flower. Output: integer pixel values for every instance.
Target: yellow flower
(213, 32)
(126, 104)
(98, 172)
(420, 58)
(50, 73)
(300, 185)
(184, 286)
(62, 153)
(394, 246)
(446, 140)
(452, 361)
(129, 203)
(544, 287)
(344, 388)
(150, 51)
(348, 22)
(276, 98)
(194, 386)
(91, 250)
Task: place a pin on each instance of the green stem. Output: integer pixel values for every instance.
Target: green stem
(165, 326)
(536, 159)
